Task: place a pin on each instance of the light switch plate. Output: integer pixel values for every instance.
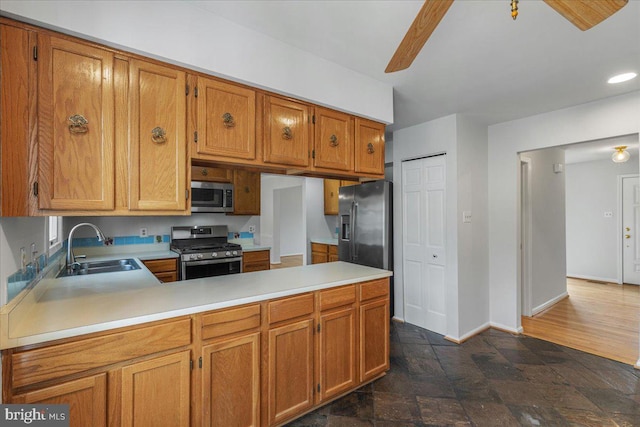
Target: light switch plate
(466, 217)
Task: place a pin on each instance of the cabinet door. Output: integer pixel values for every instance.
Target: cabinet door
(86, 397)
(337, 353)
(374, 339)
(246, 187)
(256, 261)
(158, 148)
(369, 145)
(290, 371)
(286, 132)
(156, 392)
(231, 382)
(319, 253)
(333, 140)
(331, 187)
(17, 99)
(333, 253)
(226, 120)
(76, 126)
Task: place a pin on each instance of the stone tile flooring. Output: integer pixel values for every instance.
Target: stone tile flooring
(493, 379)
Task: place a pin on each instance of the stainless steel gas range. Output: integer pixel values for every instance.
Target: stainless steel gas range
(205, 252)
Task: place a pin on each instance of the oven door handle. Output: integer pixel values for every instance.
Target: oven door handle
(213, 261)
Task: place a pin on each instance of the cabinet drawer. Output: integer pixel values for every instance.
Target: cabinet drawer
(333, 250)
(318, 247)
(34, 366)
(201, 173)
(230, 321)
(161, 265)
(338, 297)
(255, 256)
(290, 308)
(374, 289)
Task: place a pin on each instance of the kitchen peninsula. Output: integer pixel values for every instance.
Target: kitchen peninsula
(295, 338)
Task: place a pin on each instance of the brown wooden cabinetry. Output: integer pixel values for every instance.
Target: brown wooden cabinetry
(256, 261)
(331, 193)
(246, 187)
(157, 120)
(165, 269)
(211, 174)
(75, 125)
(157, 391)
(17, 116)
(287, 132)
(374, 328)
(226, 122)
(333, 144)
(369, 147)
(86, 397)
(321, 252)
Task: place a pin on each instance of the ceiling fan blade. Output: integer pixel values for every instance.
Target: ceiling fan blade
(426, 21)
(585, 14)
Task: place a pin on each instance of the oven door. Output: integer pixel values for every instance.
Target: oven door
(210, 268)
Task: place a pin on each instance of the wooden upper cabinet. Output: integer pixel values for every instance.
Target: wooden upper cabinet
(331, 193)
(246, 192)
(157, 120)
(17, 105)
(369, 152)
(287, 132)
(226, 122)
(76, 125)
(211, 174)
(333, 140)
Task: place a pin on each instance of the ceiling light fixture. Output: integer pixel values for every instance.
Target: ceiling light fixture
(622, 78)
(621, 155)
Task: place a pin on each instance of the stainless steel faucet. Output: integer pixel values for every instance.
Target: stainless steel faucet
(71, 259)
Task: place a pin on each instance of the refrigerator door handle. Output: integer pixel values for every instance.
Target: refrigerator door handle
(354, 240)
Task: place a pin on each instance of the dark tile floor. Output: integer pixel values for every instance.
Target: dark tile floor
(493, 379)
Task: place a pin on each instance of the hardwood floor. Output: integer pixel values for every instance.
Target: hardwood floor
(288, 261)
(599, 318)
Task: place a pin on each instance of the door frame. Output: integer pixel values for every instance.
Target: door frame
(619, 241)
(526, 238)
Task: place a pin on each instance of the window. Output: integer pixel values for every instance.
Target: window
(53, 233)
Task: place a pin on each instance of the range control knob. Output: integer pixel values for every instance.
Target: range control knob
(228, 253)
(215, 254)
(235, 252)
(200, 256)
(194, 256)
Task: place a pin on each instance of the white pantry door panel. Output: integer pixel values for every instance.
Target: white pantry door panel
(630, 231)
(423, 195)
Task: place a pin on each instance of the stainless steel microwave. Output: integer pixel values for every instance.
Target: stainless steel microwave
(211, 197)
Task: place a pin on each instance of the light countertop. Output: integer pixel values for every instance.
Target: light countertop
(253, 248)
(325, 241)
(73, 306)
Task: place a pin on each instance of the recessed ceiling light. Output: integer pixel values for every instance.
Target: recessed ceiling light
(622, 78)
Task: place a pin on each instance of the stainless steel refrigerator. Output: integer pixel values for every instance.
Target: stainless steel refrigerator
(366, 224)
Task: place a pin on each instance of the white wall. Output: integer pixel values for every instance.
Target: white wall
(16, 233)
(130, 225)
(319, 225)
(548, 235)
(184, 34)
(614, 116)
(292, 241)
(592, 248)
(473, 238)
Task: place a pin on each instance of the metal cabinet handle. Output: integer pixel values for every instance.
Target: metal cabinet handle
(158, 135)
(333, 140)
(287, 133)
(228, 120)
(370, 148)
(78, 124)
(627, 236)
(204, 172)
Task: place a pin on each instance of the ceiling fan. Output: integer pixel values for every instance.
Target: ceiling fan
(584, 14)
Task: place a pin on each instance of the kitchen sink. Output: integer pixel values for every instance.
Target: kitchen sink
(95, 267)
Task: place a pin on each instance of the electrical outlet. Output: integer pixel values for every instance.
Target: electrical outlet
(143, 232)
(252, 229)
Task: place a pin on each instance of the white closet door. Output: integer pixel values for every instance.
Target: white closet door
(423, 236)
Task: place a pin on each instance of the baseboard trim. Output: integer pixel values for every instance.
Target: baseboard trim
(637, 365)
(596, 278)
(397, 319)
(469, 334)
(543, 307)
(504, 328)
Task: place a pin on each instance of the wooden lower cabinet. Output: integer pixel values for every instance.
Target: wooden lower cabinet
(374, 339)
(321, 253)
(156, 392)
(86, 397)
(165, 269)
(337, 349)
(290, 370)
(256, 261)
(231, 382)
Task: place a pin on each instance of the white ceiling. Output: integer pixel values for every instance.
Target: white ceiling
(478, 62)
